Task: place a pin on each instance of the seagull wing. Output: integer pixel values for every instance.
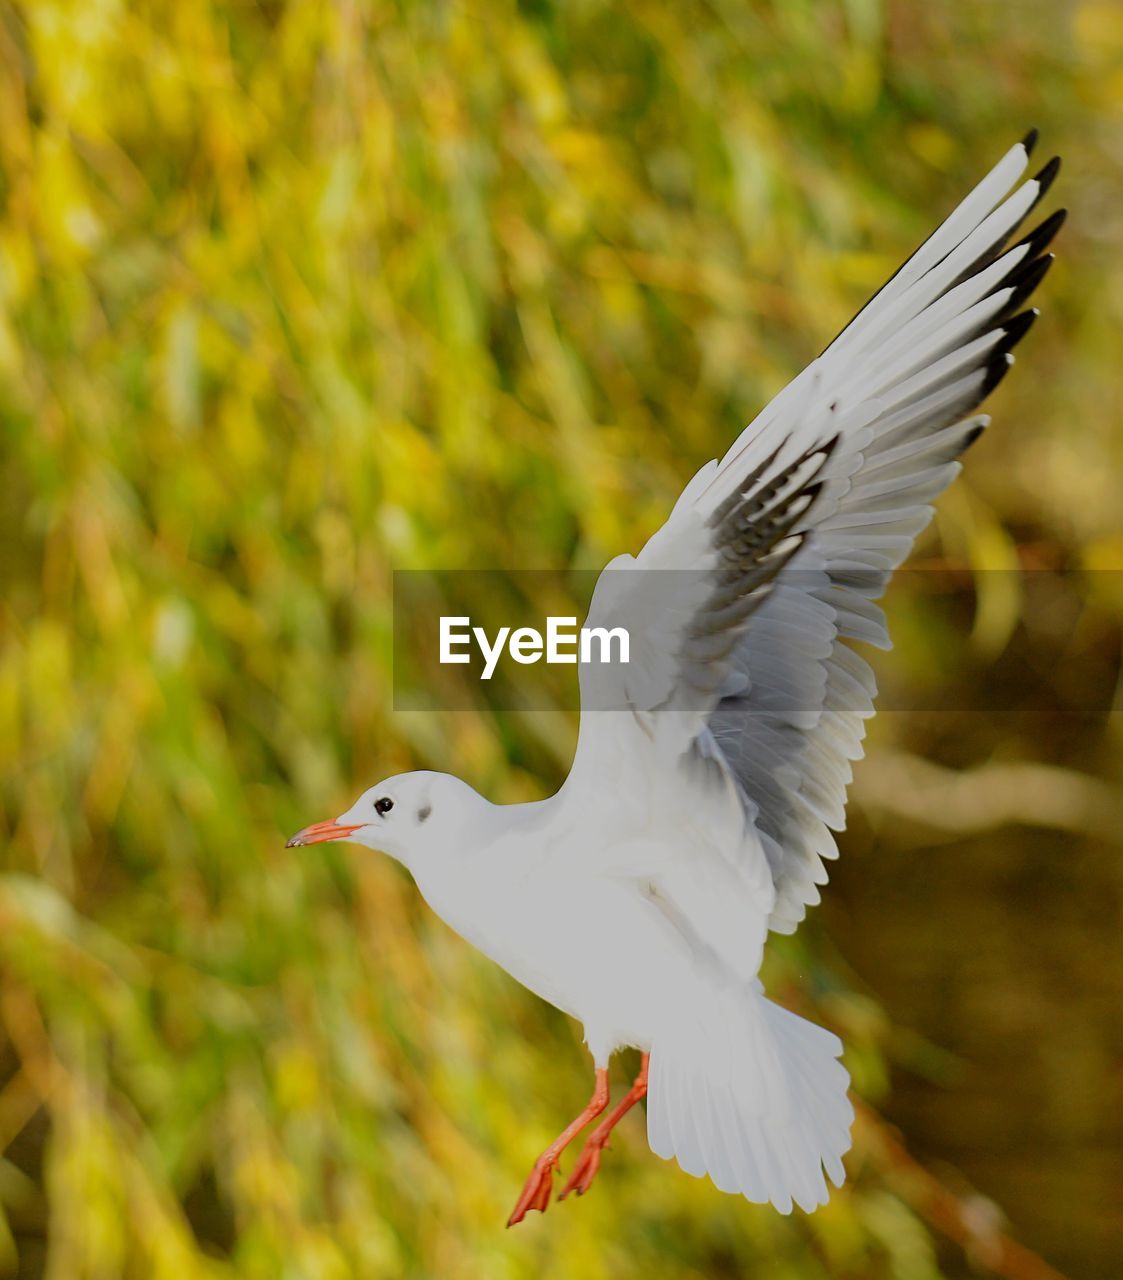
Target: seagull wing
(789, 540)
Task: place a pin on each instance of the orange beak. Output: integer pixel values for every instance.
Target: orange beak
(318, 832)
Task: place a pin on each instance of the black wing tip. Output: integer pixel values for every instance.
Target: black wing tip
(1046, 176)
(972, 435)
(999, 366)
(1041, 235)
(1030, 141)
(1025, 278)
(1031, 269)
(1017, 327)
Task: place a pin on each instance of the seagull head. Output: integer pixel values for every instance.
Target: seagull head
(407, 816)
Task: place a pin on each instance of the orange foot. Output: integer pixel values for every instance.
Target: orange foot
(536, 1193)
(589, 1160)
(581, 1179)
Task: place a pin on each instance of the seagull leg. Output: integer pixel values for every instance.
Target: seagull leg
(589, 1161)
(536, 1192)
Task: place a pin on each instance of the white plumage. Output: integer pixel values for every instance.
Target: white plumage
(711, 771)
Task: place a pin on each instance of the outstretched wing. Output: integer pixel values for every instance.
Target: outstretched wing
(891, 397)
(922, 354)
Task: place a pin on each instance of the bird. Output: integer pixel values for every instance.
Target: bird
(711, 771)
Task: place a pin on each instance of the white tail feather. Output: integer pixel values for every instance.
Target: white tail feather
(752, 1095)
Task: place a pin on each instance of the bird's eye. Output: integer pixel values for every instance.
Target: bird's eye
(384, 805)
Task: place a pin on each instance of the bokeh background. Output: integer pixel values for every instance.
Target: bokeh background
(293, 294)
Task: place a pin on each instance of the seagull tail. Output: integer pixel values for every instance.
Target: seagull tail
(752, 1095)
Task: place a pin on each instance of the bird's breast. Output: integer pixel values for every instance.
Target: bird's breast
(600, 952)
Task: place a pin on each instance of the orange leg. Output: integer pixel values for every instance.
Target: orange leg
(536, 1192)
(589, 1161)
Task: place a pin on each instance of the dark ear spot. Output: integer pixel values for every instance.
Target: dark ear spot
(424, 812)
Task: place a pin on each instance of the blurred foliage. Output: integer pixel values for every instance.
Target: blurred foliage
(295, 293)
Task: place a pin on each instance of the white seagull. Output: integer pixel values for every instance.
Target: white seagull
(699, 809)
